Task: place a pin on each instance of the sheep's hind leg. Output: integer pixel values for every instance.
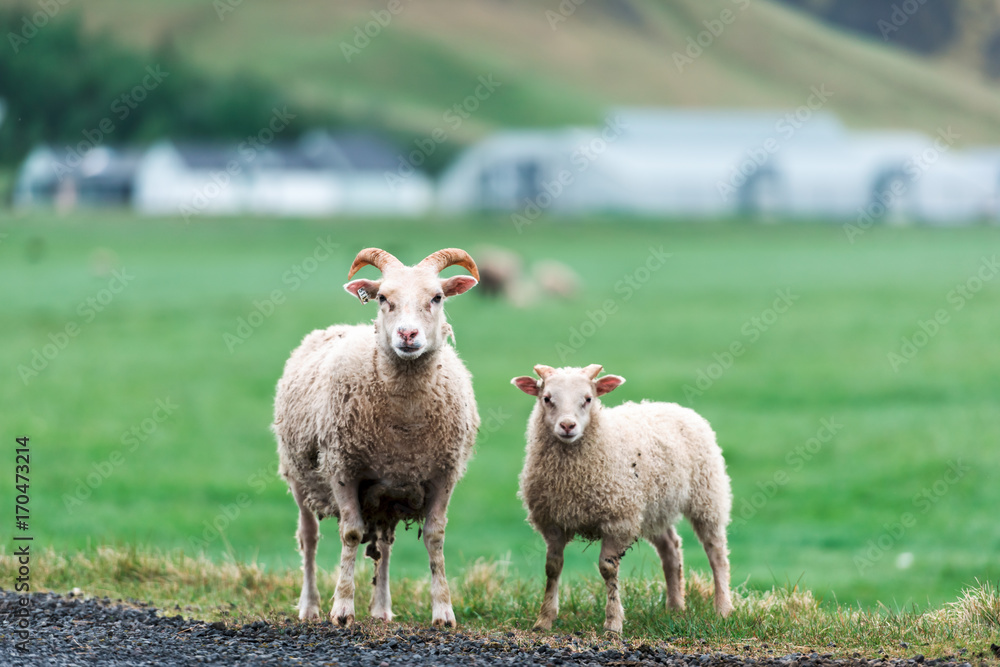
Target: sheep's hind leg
(308, 536)
(381, 605)
(352, 530)
(668, 545)
(713, 537)
(611, 555)
(555, 542)
(437, 507)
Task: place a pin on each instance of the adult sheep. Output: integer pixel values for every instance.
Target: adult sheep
(375, 425)
(617, 475)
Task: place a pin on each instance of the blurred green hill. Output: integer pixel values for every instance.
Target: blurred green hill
(411, 69)
(558, 62)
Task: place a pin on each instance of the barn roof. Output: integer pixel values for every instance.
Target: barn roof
(315, 151)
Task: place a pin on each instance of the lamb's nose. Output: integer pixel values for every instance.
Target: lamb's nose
(567, 426)
(408, 335)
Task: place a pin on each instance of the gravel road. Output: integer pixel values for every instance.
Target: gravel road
(77, 631)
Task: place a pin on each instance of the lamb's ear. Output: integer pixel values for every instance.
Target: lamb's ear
(592, 371)
(544, 371)
(458, 285)
(528, 385)
(370, 288)
(608, 383)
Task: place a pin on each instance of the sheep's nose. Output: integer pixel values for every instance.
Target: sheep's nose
(567, 426)
(408, 335)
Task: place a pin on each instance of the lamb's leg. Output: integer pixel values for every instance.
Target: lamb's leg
(611, 555)
(437, 507)
(352, 530)
(713, 537)
(555, 541)
(381, 605)
(308, 536)
(668, 545)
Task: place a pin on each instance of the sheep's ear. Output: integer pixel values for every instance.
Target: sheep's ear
(544, 371)
(592, 371)
(608, 383)
(370, 288)
(528, 385)
(458, 285)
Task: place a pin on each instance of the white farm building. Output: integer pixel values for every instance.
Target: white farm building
(682, 163)
(318, 176)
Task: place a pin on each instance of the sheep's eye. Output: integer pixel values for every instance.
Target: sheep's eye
(547, 399)
(437, 299)
(586, 401)
(382, 299)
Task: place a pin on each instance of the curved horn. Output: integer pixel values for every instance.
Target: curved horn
(442, 259)
(376, 257)
(543, 371)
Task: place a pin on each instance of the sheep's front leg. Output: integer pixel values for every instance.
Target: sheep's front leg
(381, 605)
(308, 536)
(438, 497)
(352, 530)
(611, 555)
(555, 542)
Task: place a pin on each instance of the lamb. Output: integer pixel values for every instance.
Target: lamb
(376, 424)
(618, 474)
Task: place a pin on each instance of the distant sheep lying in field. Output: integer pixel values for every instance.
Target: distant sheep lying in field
(504, 275)
(618, 474)
(375, 425)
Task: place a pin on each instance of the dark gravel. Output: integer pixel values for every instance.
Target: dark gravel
(75, 631)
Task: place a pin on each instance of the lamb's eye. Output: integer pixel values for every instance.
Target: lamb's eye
(586, 401)
(437, 299)
(381, 299)
(547, 400)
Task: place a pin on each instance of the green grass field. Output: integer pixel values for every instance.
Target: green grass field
(910, 468)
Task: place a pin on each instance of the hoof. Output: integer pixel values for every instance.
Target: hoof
(444, 616)
(384, 616)
(613, 628)
(342, 614)
(310, 613)
(542, 626)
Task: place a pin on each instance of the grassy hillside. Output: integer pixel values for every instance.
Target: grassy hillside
(564, 69)
(859, 481)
